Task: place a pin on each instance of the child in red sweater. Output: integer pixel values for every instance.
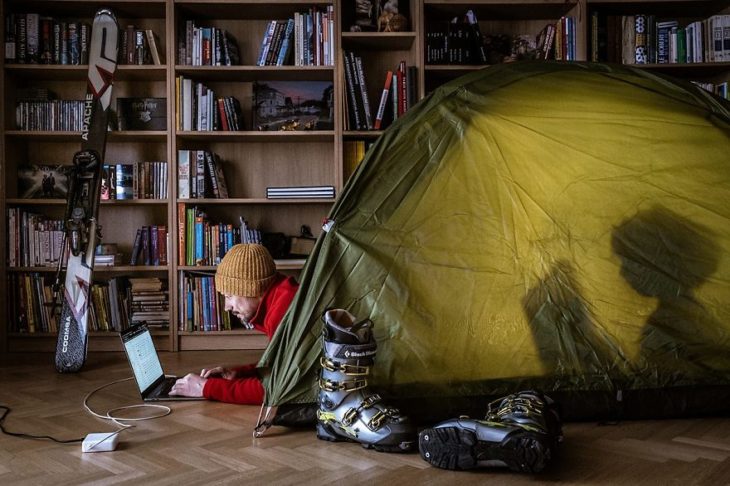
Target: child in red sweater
(256, 294)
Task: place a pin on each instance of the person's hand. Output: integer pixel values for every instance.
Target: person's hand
(218, 371)
(190, 385)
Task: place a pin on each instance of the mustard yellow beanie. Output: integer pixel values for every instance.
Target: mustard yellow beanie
(247, 270)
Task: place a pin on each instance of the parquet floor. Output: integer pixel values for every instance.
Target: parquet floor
(211, 443)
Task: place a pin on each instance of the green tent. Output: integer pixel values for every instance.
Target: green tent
(555, 225)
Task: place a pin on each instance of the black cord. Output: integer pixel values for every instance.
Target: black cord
(6, 412)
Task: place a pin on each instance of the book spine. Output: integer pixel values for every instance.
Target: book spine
(383, 101)
(363, 92)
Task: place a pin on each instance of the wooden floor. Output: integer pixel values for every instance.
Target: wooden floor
(211, 443)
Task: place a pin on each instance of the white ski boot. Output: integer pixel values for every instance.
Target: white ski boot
(348, 411)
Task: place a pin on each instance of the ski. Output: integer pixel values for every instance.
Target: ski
(82, 206)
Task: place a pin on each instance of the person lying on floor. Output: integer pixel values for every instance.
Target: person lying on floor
(256, 293)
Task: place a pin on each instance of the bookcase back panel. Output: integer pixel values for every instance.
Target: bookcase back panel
(111, 218)
(445, 10)
(250, 168)
(369, 22)
(243, 11)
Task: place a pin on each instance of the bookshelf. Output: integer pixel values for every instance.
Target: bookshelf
(252, 160)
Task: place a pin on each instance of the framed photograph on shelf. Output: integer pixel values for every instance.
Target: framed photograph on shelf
(293, 105)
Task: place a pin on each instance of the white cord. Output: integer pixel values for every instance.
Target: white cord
(119, 420)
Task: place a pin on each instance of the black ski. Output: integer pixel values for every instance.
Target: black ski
(82, 206)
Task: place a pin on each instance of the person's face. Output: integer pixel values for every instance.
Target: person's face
(242, 307)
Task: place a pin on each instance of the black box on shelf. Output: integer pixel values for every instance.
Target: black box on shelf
(142, 113)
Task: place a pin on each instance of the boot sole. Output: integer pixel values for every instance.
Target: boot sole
(458, 449)
(325, 432)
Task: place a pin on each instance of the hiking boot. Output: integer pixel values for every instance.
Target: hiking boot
(348, 411)
(521, 432)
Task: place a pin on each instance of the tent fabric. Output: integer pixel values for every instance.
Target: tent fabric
(560, 225)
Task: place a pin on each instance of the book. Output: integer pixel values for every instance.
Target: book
(39, 181)
(142, 113)
(125, 181)
(152, 45)
(293, 105)
(377, 125)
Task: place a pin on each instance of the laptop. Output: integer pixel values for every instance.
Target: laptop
(142, 355)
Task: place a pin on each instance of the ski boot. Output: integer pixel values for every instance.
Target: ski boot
(348, 411)
(520, 431)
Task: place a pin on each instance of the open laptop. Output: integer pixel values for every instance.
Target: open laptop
(142, 355)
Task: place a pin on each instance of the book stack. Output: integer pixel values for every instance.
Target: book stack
(150, 246)
(206, 46)
(201, 307)
(200, 175)
(300, 192)
(149, 302)
(139, 180)
(308, 38)
(198, 108)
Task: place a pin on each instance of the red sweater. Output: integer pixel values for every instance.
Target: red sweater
(246, 388)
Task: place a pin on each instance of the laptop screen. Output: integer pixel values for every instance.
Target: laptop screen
(142, 356)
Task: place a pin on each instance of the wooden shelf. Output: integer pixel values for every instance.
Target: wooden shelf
(281, 264)
(699, 69)
(92, 334)
(254, 73)
(500, 9)
(254, 136)
(362, 134)
(97, 268)
(378, 41)
(114, 136)
(78, 73)
(249, 10)
(207, 202)
(123, 9)
(106, 202)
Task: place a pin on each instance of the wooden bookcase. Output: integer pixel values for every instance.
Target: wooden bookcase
(253, 160)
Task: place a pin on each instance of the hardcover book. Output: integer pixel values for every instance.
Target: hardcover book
(142, 113)
(293, 106)
(38, 181)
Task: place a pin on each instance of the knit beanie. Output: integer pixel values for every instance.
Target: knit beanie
(247, 270)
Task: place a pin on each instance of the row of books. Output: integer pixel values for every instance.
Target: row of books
(29, 299)
(202, 242)
(353, 152)
(398, 95)
(308, 38)
(720, 89)
(201, 307)
(50, 115)
(150, 246)
(643, 39)
(459, 41)
(139, 180)
(33, 39)
(198, 108)
(300, 192)
(206, 46)
(138, 47)
(200, 175)
(34, 240)
(109, 309)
